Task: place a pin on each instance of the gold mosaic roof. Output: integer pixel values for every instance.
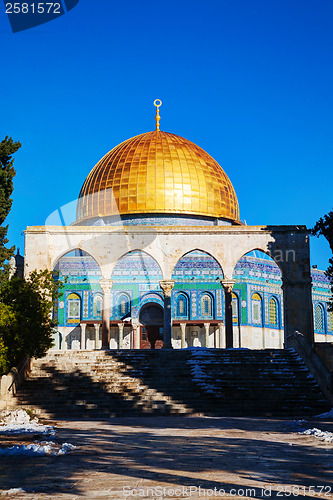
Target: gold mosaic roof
(157, 173)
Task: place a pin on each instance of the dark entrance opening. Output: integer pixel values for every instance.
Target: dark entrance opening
(151, 317)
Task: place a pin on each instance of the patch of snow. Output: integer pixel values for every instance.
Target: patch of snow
(196, 363)
(328, 414)
(322, 435)
(12, 491)
(201, 350)
(15, 417)
(237, 349)
(20, 422)
(42, 449)
(66, 448)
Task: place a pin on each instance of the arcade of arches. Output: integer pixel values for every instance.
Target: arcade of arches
(201, 305)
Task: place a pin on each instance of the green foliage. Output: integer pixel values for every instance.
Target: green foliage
(324, 227)
(26, 324)
(7, 148)
(4, 362)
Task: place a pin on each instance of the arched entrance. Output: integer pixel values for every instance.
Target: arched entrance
(151, 319)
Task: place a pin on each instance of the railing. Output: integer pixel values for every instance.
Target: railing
(316, 366)
(17, 375)
(11, 382)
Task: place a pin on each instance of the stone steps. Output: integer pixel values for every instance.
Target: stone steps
(100, 384)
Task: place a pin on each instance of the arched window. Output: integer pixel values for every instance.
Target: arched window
(273, 312)
(256, 309)
(181, 305)
(319, 318)
(123, 305)
(73, 306)
(97, 306)
(206, 305)
(235, 308)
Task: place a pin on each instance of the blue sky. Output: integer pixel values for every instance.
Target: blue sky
(248, 81)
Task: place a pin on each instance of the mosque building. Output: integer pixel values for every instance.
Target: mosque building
(158, 257)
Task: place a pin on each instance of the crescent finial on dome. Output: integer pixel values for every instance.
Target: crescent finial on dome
(157, 103)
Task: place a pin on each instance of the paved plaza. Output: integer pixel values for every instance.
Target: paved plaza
(175, 457)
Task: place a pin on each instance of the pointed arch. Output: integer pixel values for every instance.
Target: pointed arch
(137, 265)
(197, 265)
(257, 253)
(74, 252)
(77, 263)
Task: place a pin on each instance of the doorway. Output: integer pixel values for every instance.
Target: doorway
(151, 319)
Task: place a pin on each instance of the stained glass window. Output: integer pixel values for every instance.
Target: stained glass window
(123, 305)
(273, 312)
(206, 305)
(97, 306)
(234, 307)
(256, 309)
(181, 305)
(74, 306)
(319, 318)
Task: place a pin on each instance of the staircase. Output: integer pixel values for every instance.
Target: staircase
(102, 384)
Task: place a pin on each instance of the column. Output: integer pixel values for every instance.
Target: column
(97, 326)
(183, 335)
(83, 336)
(131, 337)
(206, 325)
(167, 286)
(229, 336)
(136, 337)
(297, 308)
(106, 286)
(136, 334)
(63, 343)
(216, 338)
(221, 336)
(120, 335)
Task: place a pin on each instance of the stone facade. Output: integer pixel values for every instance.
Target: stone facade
(112, 272)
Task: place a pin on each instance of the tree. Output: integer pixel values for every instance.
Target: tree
(26, 324)
(7, 148)
(324, 227)
(4, 361)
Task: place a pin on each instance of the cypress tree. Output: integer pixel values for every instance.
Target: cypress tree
(7, 172)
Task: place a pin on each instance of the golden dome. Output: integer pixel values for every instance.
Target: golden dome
(157, 173)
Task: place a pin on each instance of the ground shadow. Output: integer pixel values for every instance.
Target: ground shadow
(113, 456)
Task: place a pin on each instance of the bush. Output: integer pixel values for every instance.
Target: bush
(26, 324)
